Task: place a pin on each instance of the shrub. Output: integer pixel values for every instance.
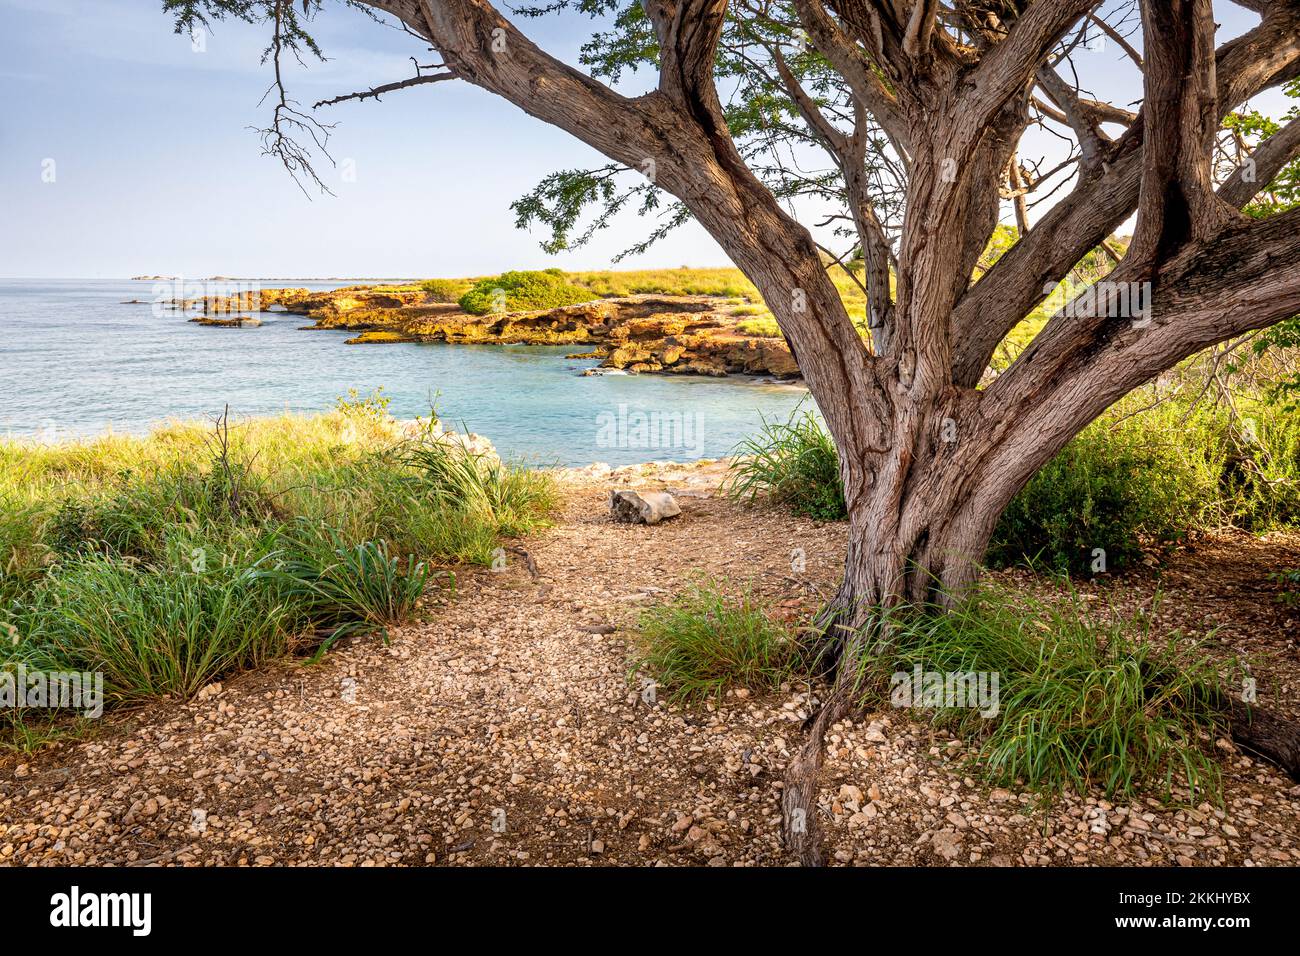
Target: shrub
(705, 641)
(446, 290)
(522, 291)
(1259, 485)
(1080, 702)
(1290, 586)
(795, 463)
(1118, 487)
(373, 405)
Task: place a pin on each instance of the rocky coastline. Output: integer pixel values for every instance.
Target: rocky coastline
(677, 334)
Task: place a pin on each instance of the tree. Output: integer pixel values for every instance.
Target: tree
(939, 93)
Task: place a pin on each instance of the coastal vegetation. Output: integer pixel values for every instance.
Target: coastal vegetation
(522, 292)
(169, 561)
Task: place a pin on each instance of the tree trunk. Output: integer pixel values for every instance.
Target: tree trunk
(916, 536)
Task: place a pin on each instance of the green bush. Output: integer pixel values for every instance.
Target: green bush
(1117, 488)
(446, 290)
(372, 406)
(705, 641)
(1080, 702)
(794, 463)
(523, 291)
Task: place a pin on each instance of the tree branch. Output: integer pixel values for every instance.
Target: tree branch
(1176, 200)
(1246, 277)
(848, 60)
(378, 91)
(1009, 66)
(688, 32)
(1091, 139)
(1099, 204)
(1262, 166)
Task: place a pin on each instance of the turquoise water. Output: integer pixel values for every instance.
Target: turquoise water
(75, 361)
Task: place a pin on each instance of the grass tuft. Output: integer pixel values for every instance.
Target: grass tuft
(793, 462)
(705, 641)
(1082, 702)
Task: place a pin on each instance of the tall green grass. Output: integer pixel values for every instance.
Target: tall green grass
(794, 463)
(1085, 701)
(170, 560)
(153, 631)
(505, 499)
(339, 585)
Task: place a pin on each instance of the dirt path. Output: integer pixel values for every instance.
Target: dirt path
(503, 729)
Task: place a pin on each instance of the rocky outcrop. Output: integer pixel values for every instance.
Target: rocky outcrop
(686, 335)
(379, 337)
(237, 322)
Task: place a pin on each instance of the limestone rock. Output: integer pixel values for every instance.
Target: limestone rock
(644, 507)
(639, 333)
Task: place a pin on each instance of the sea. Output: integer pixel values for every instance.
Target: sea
(80, 357)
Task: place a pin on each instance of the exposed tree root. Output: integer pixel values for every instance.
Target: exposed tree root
(1268, 736)
(799, 798)
(839, 628)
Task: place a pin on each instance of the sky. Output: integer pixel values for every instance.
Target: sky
(126, 149)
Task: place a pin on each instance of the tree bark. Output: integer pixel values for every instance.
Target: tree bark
(1267, 736)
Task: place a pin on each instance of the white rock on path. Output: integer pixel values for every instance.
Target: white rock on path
(645, 507)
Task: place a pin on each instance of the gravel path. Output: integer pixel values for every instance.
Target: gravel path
(502, 729)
